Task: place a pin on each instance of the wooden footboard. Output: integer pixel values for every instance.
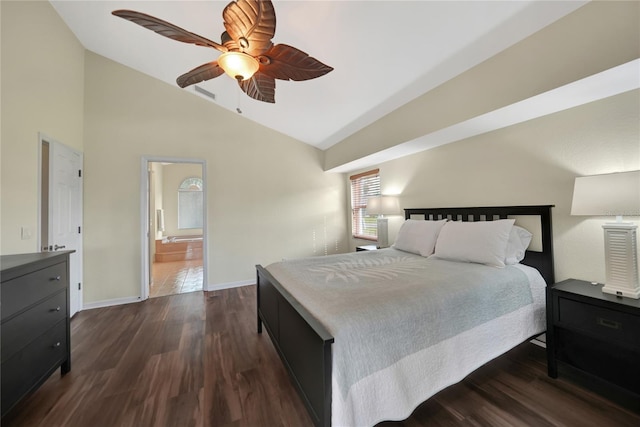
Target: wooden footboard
(304, 345)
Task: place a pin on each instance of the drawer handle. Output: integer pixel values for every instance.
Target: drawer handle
(608, 323)
(56, 345)
(56, 278)
(56, 309)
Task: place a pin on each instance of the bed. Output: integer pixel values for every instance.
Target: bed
(357, 362)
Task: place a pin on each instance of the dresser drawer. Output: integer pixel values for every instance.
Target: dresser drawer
(20, 330)
(29, 367)
(597, 321)
(19, 293)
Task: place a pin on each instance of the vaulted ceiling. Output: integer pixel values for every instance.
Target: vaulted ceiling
(384, 53)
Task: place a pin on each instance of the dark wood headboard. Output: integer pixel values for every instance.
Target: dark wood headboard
(542, 261)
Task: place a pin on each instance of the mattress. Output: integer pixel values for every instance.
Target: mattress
(406, 326)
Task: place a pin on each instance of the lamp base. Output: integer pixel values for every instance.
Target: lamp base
(383, 233)
(621, 260)
(622, 292)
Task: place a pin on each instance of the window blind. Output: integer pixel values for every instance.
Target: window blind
(363, 186)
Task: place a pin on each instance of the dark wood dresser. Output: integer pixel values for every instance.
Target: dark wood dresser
(35, 334)
(594, 338)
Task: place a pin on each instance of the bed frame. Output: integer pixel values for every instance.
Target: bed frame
(304, 345)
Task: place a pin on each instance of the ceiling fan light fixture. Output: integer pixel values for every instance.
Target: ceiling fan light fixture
(238, 65)
(248, 54)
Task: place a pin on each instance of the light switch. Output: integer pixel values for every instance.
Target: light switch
(25, 233)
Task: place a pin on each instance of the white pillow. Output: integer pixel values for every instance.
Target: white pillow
(483, 242)
(518, 242)
(418, 236)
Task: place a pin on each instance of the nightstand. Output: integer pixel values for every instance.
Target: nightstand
(594, 339)
(366, 248)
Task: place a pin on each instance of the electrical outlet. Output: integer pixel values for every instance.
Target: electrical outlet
(25, 233)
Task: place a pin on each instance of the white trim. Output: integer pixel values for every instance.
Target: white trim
(230, 285)
(130, 300)
(540, 340)
(110, 302)
(144, 219)
(144, 227)
(41, 137)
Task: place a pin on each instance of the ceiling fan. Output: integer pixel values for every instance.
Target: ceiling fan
(248, 55)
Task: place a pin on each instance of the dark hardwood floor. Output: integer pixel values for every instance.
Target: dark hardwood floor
(195, 359)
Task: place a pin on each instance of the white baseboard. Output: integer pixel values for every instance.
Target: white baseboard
(110, 302)
(230, 285)
(129, 300)
(540, 340)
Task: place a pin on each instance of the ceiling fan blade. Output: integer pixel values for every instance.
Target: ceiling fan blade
(202, 73)
(261, 87)
(285, 62)
(251, 24)
(166, 29)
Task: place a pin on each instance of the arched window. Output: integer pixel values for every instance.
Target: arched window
(190, 203)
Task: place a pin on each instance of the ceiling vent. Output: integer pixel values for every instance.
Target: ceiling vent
(205, 92)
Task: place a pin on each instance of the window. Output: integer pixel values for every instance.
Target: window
(190, 203)
(363, 186)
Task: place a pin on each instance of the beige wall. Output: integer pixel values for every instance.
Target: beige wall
(268, 197)
(532, 163)
(173, 175)
(594, 38)
(42, 91)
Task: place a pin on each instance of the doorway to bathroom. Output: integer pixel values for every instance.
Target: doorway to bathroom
(175, 216)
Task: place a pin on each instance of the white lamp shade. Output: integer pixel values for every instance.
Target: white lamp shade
(613, 194)
(383, 205)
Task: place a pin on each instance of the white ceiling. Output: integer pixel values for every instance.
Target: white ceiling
(384, 53)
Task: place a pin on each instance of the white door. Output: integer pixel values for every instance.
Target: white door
(65, 213)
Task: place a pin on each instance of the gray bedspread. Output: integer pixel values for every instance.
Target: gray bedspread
(384, 305)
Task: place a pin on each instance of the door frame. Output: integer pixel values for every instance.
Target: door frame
(144, 218)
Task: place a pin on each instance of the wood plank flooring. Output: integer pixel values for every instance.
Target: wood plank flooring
(176, 277)
(195, 359)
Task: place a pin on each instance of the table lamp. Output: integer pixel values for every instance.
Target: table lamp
(614, 194)
(383, 205)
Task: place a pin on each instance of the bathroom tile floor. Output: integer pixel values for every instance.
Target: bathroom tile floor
(176, 277)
